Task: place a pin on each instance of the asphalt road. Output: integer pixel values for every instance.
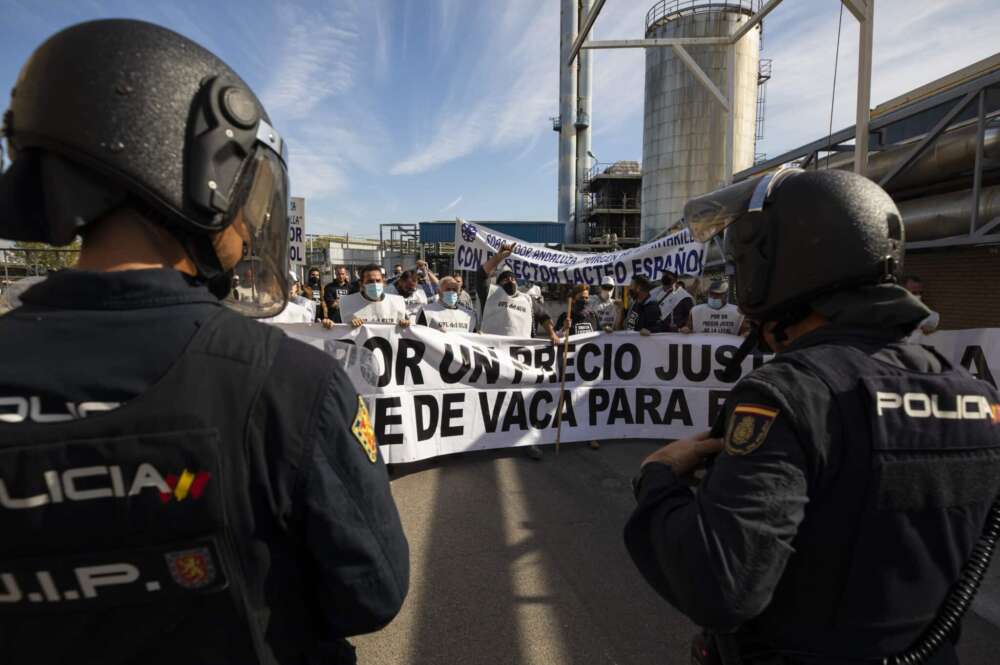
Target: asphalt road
(515, 561)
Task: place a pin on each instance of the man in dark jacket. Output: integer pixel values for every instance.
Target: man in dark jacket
(644, 312)
(337, 289)
(854, 471)
(173, 476)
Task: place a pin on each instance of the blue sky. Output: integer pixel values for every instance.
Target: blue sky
(409, 110)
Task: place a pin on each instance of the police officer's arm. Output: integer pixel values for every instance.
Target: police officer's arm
(352, 529)
(718, 554)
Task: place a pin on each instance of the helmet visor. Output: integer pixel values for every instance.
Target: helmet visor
(709, 215)
(260, 216)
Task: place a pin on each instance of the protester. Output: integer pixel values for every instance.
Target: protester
(464, 298)
(606, 307)
(507, 311)
(583, 319)
(397, 270)
(223, 497)
(674, 300)
(372, 304)
(447, 313)
(407, 287)
(716, 316)
(335, 290)
(644, 312)
(915, 286)
(427, 280)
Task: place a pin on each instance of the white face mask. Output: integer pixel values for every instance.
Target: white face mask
(450, 298)
(604, 295)
(715, 303)
(373, 290)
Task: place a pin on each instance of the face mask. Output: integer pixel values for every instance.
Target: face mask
(579, 303)
(314, 281)
(604, 295)
(632, 294)
(668, 286)
(450, 298)
(406, 293)
(715, 303)
(509, 287)
(373, 290)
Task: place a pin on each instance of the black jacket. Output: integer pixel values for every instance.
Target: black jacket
(835, 520)
(643, 315)
(321, 549)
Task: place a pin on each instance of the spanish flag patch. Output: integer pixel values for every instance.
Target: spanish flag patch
(748, 427)
(364, 432)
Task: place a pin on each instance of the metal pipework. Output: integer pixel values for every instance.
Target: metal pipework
(947, 215)
(583, 135)
(951, 154)
(567, 120)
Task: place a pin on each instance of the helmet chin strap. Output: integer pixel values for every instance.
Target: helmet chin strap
(202, 253)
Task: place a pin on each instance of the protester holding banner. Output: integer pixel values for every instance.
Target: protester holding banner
(372, 304)
(505, 310)
(644, 312)
(855, 471)
(716, 316)
(447, 313)
(607, 308)
(335, 290)
(674, 300)
(406, 286)
(582, 319)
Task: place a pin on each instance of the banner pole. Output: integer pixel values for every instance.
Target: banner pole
(562, 385)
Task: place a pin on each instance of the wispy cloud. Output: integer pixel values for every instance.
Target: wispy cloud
(451, 205)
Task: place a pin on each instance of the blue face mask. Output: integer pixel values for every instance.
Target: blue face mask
(373, 290)
(449, 298)
(715, 303)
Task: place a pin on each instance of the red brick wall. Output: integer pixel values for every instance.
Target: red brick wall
(961, 283)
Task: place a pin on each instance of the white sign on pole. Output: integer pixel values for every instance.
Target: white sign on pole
(296, 232)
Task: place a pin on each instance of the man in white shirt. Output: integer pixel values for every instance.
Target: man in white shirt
(448, 313)
(716, 316)
(372, 304)
(607, 308)
(507, 311)
(414, 296)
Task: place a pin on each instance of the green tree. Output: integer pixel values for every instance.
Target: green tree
(46, 257)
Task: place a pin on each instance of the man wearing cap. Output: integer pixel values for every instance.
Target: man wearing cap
(607, 308)
(716, 316)
(674, 300)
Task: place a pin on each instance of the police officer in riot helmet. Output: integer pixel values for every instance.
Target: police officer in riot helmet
(177, 482)
(851, 476)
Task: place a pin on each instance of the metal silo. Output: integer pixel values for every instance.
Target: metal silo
(684, 132)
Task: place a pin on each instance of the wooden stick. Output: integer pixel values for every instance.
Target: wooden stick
(562, 387)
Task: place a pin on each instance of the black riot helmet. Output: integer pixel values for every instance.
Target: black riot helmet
(795, 235)
(116, 113)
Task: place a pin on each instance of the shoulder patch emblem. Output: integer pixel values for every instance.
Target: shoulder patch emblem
(364, 432)
(748, 428)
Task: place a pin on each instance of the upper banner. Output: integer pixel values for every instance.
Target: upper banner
(678, 253)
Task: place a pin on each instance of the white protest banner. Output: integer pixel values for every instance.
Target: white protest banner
(432, 393)
(296, 232)
(679, 253)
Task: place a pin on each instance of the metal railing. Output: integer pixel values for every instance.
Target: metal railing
(619, 202)
(667, 10)
(605, 168)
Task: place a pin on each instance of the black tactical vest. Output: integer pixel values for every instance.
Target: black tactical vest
(126, 533)
(885, 538)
